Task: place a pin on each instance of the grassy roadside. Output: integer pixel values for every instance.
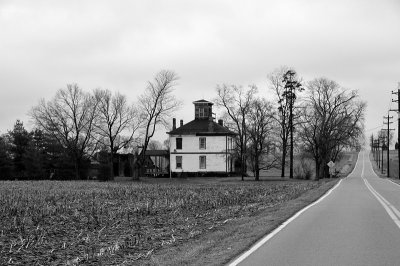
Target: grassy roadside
(220, 246)
(378, 171)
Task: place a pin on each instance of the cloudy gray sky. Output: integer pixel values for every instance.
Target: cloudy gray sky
(120, 45)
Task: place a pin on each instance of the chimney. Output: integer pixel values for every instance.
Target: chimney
(173, 123)
(221, 122)
(181, 122)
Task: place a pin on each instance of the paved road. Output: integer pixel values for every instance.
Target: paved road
(357, 224)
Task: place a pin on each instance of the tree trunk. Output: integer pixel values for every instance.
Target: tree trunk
(111, 165)
(320, 167)
(317, 169)
(324, 169)
(77, 168)
(242, 159)
(283, 162)
(242, 167)
(257, 170)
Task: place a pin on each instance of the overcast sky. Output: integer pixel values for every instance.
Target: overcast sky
(120, 45)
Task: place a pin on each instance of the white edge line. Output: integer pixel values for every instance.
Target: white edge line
(390, 209)
(284, 224)
(392, 182)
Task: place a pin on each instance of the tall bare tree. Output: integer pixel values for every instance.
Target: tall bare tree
(292, 86)
(333, 119)
(262, 138)
(115, 117)
(237, 103)
(284, 83)
(69, 118)
(157, 104)
(282, 116)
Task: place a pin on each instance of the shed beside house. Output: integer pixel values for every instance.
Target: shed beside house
(202, 146)
(157, 163)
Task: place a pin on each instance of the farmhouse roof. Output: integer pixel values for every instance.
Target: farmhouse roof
(202, 127)
(203, 101)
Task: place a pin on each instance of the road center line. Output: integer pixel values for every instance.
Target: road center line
(389, 208)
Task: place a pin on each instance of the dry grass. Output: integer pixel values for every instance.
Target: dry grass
(393, 164)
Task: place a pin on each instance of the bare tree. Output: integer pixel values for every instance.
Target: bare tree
(282, 116)
(383, 135)
(70, 118)
(237, 103)
(332, 120)
(292, 86)
(157, 104)
(166, 144)
(115, 117)
(284, 82)
(261, 136)
(154, 145)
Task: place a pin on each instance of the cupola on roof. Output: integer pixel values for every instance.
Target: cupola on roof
(203, 109)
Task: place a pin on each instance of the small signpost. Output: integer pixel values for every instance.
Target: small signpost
(331, 168)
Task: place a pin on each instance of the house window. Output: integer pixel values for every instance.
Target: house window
(179, 143)
(178, 162)
(201, 112)
(202, 162)
(202, 143)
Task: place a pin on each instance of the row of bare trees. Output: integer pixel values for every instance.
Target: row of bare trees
(86, 122)
(320, 122)
(319, 118)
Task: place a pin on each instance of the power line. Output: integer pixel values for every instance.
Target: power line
(381, 126)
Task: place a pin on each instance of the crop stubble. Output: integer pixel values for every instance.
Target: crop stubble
(91, 223)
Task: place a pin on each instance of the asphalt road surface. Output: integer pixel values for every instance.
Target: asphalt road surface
(357, 224)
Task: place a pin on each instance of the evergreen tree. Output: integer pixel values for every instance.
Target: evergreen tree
(20, 139)
(6, 165)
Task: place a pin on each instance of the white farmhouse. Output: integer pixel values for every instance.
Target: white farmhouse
(202, 146)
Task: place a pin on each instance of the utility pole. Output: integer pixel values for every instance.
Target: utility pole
(388, 140)
(383, 144)
(375, 151)
(379, 154)
(372, 143)
(398, 122)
